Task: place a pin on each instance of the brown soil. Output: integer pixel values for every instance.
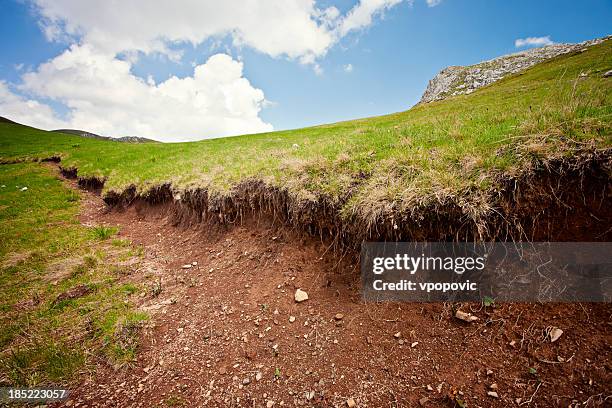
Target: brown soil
(220, 332)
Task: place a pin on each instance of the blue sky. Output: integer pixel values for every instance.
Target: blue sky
(392, 47)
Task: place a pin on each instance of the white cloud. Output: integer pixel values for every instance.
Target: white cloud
(348, 68)
(533, 42)
(361, 15)
(297, 29)
(104, 97)
(26, 111)
(433, 3)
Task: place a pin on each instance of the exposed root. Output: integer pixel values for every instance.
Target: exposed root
(560, 200)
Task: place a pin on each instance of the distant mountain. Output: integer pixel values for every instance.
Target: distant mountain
(81, 133)
(134, 139)
(124, 139)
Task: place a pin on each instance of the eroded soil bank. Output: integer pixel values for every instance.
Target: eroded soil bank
(227, 331)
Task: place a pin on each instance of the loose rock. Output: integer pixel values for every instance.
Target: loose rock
(555, 333)
(300, 296)
(492, 394)
(351, 403)
(466, 317)
(339, 316)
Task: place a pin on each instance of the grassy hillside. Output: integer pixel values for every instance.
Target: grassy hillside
(452, 150)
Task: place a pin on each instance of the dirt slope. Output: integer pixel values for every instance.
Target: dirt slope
(221, 332)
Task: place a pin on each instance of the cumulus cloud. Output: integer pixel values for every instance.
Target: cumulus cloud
(348, 68)
(433, 3)
(104, 97)
(93, 78)
(27, 111)
(361, 15)
(292, 28)
(533, 42)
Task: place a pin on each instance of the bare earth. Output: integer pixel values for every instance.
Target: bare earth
(222, 334)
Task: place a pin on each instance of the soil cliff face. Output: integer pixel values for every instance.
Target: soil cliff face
(460, 80)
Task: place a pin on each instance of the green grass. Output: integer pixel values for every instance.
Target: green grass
(401, 161)
(44, 251)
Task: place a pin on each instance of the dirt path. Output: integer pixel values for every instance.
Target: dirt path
(227, 332)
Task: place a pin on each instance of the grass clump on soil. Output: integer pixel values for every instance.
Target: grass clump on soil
(103, 232)
(60, 301)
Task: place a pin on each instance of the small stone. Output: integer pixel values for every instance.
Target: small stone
(24, 189)
(423, 401)
(413, 345)
(466, 317)
(492, 394)
(269, 404)
(608, 74)
(555, 333)
(397, 335)
(300, 296)
(493, 386)
(187, 266)
(489, 372)
(194, 263)
(429, 387)
(291, 319)
(246, 381)
(400, 342)
(512, 343)
(339, 316)
(222, 370)
(258, 376)
(351, 403)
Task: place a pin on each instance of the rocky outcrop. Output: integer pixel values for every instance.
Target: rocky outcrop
(459, 80)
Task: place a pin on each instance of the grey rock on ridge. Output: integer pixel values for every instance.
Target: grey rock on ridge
(459, 80)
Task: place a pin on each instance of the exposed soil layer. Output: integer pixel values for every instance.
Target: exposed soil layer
(562, 200)
(222, 333)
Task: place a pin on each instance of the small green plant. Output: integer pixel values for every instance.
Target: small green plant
(277, 373)
(72, 197)
(90, 261)
(174, 401)
(102, 232)
(488, 301)
(78, 271)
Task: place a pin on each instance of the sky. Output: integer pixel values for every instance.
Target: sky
(197, 69)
